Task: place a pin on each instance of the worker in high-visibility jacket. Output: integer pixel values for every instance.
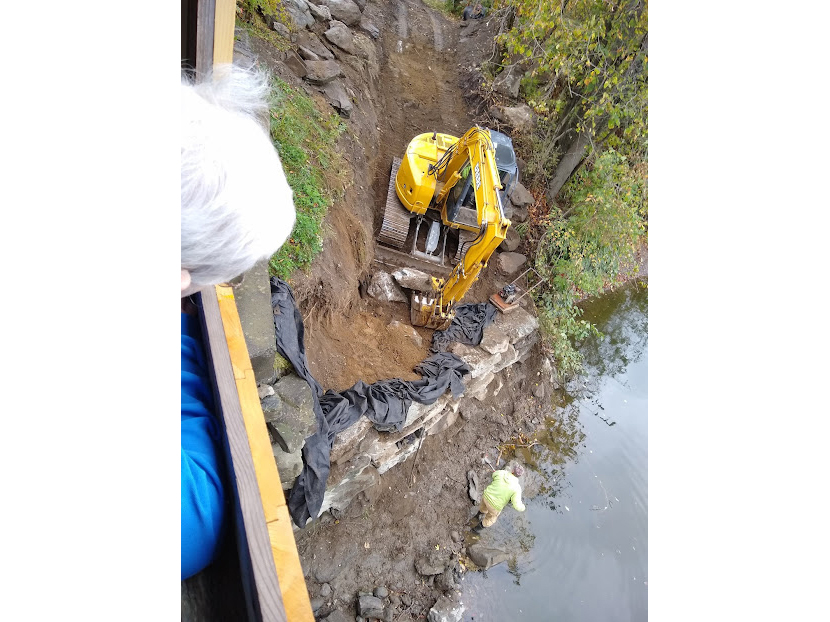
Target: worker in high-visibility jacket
(503, 488)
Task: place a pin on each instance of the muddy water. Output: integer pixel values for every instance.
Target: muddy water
(581, 547)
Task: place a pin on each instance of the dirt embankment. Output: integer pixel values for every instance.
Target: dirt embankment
(426, 67)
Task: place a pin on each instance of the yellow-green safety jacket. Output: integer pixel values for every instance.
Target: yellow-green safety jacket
(504, 487)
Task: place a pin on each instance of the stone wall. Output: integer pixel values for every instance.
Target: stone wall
(363, 452)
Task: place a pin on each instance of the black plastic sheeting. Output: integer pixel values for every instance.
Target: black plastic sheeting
(467, 326)
(385, 403)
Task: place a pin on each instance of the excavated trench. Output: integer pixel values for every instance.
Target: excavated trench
(406, 530)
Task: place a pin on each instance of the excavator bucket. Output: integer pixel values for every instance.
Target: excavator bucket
(425, 310)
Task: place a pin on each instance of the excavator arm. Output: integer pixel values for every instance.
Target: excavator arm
(467, 168)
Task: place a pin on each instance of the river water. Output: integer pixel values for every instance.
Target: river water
(580, 550)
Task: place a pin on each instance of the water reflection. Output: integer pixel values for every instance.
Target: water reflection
(581, 548)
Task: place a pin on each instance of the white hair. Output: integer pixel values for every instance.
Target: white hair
(237, 206)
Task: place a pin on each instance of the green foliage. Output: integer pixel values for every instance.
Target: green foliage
(593, 53)
(305, 139)
(251, 14)
(268, 8)
(587, 248)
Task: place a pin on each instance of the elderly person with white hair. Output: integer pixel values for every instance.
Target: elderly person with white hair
(237, 208)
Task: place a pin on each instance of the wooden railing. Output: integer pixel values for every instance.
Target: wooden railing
(269, 569)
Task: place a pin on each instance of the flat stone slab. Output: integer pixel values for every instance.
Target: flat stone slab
(480, 361)
(253, 301)
(494, 341)
(322, 71)
(290, 413)
(337, 97)
(358, 479)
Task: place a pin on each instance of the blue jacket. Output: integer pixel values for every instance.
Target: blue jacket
(203, 499)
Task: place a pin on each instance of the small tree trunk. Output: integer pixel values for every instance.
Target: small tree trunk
(568, 164)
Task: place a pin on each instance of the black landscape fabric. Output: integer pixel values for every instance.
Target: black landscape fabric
(385, 402)
(467, 326)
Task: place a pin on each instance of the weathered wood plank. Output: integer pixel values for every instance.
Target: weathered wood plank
(256, 559)
(281, 534)
(205, 36)
(289, 569)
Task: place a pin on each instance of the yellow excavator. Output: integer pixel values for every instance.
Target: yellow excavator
(458, 186)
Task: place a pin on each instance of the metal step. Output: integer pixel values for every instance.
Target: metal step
(395, 225)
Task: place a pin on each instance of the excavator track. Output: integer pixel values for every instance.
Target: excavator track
(395, 225)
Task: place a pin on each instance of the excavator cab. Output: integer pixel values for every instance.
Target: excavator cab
(505, 162)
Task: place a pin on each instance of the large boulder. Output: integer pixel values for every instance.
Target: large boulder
(296, 64)
(309, 42)
(413, 279)
(446, 609)
(384, 288)
(322, 72)
(337, 97)
(511, 263)
(512, 241)
(519, 117)
(360, 477)
(517, 324)
(486, 557)
(356, 44)
(289, 465)
(320, 13)
(520, 196)
(518, 214)
(299, 12)
(344, 10)
(430, 565)
(369, 27)
(290, 413)
(507, 82)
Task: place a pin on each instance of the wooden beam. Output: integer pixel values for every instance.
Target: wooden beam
(281, 533)
(224, 23)
(205, 36)
(253, 540)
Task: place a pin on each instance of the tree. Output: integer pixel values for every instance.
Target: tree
(588, 79)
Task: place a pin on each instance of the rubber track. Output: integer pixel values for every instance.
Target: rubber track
(395, 226)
